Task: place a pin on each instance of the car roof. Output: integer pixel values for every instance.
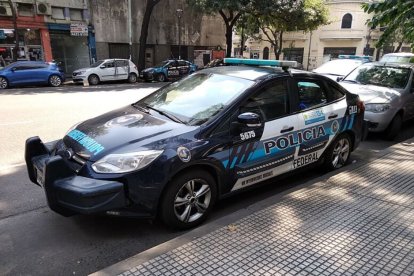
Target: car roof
(253, 73)
(30, 62)
(400, 54)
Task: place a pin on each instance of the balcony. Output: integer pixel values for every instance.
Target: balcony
(343, 34)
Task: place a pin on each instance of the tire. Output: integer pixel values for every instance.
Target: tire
(394, 128)
(161, 78)
(181, 207)
(55, 80)
(337, 154)
(3, 83)
(132, 78)
(93, 79)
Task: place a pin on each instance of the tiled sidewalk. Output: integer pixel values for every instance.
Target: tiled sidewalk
(358, 222)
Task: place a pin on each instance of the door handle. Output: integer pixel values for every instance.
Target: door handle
(287, 129)
(332, 116)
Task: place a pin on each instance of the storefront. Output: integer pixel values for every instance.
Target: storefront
(30, 45)
(72, 45)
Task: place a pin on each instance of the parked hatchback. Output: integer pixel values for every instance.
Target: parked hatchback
(107, 70)
(22, 73)
(388, 93)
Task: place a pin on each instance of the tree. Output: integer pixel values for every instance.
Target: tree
(144, 32)
(275, 17)
(229, 10)
(16, 34)
(396, 15)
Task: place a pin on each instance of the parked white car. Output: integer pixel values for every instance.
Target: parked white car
(107, 70)
(398, 58)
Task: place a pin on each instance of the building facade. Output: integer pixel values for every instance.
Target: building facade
(347, 33)
(173, 27)
(48, 30)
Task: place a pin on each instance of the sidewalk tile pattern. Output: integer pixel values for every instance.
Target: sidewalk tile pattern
(358, 222)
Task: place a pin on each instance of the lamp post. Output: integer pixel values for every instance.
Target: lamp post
(179, 14)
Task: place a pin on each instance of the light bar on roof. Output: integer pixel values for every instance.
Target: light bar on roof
(367, 58)
(261, 62)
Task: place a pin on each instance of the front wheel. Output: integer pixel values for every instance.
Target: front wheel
(337, 155)
(394, 128)
(188, 199)
(3, 83)
(55, 81)
(161, 77)
(93, 79)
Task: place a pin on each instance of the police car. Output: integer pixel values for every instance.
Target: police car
(168, 70)
(177, 151)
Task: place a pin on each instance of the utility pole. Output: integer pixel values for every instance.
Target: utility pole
(130, 29)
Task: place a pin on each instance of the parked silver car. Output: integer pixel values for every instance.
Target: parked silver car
(338, 67)
(388, 92)
(107, 70)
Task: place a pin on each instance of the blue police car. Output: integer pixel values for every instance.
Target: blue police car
(168, 70)
(174, 153)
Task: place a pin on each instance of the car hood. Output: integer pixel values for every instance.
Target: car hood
(372, 93)
(123, 130)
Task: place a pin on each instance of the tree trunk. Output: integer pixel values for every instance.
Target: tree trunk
(398, 47)
(144, 32)
(279, 50)
(16, 34)
(242, 42)
(229, 40)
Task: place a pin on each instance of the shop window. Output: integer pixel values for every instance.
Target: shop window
(76, 14)
(347, 21)
(58, 13)
(25, 9)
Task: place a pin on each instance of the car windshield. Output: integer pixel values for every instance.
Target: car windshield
(393, 77)
(398, 59)
(162, 64)
(96, 64)
(338, 67)
(197, 98)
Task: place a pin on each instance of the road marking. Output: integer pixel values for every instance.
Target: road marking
(16, 123)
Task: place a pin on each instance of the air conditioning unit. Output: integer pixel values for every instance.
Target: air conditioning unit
(43, 8)
(5, 9)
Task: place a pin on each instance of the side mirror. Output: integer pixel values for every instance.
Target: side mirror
(250, 119)
(13, 69)
(338, 79)
(102, 66)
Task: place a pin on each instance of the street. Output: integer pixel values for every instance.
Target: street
(36, 241)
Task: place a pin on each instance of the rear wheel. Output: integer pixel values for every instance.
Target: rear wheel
(55, 81)
(132, 78)
(337, 154)
(161, 77)
(93, 79)
(3, 83)
(394, 127)
(188, 199)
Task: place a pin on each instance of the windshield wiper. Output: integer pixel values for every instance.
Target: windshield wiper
(141, 108)
(352, 81)
(168, 115)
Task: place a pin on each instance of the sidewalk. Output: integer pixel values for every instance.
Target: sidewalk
(357, 222)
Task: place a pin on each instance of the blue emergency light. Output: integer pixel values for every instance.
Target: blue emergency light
(260, 62)
(367, 58)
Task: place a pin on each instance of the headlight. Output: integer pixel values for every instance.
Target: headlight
(81, 72)
(126, 162)
(377, 108)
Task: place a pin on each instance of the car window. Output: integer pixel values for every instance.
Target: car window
(311, 94)
(270, 102)
(182, 63)
(334, 94)
(22, 68)
(172, 64)
(109, 64)
(121, 63)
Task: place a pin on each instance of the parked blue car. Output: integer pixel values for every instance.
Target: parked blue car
(168, 70)
(31, 73)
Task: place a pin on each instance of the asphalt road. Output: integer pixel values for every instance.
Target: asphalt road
(35, 240)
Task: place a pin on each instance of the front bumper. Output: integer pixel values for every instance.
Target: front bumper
(66, 192)
(379, 121)
(146, 76)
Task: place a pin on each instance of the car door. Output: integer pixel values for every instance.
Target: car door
(262, 152)
(183, 67)
(321, 116)
(121, 69)
(24, 74)
(107, 71)
(172, 70)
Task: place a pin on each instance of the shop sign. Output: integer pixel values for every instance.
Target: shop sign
(2, 35)
(78, 29)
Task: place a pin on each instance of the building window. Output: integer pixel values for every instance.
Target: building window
(25, 9)
(330, 53)
(347, 21)
(266, 53)
(76, 14)
(58, 13)
(294, 54)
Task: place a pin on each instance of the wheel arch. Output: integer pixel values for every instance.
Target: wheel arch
(352, 135)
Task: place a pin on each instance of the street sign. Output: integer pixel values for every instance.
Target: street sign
(78, 29)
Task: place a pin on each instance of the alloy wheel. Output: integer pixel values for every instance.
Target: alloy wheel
(192, 200)
(55, 81)
(3, 83)
(340, 153)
